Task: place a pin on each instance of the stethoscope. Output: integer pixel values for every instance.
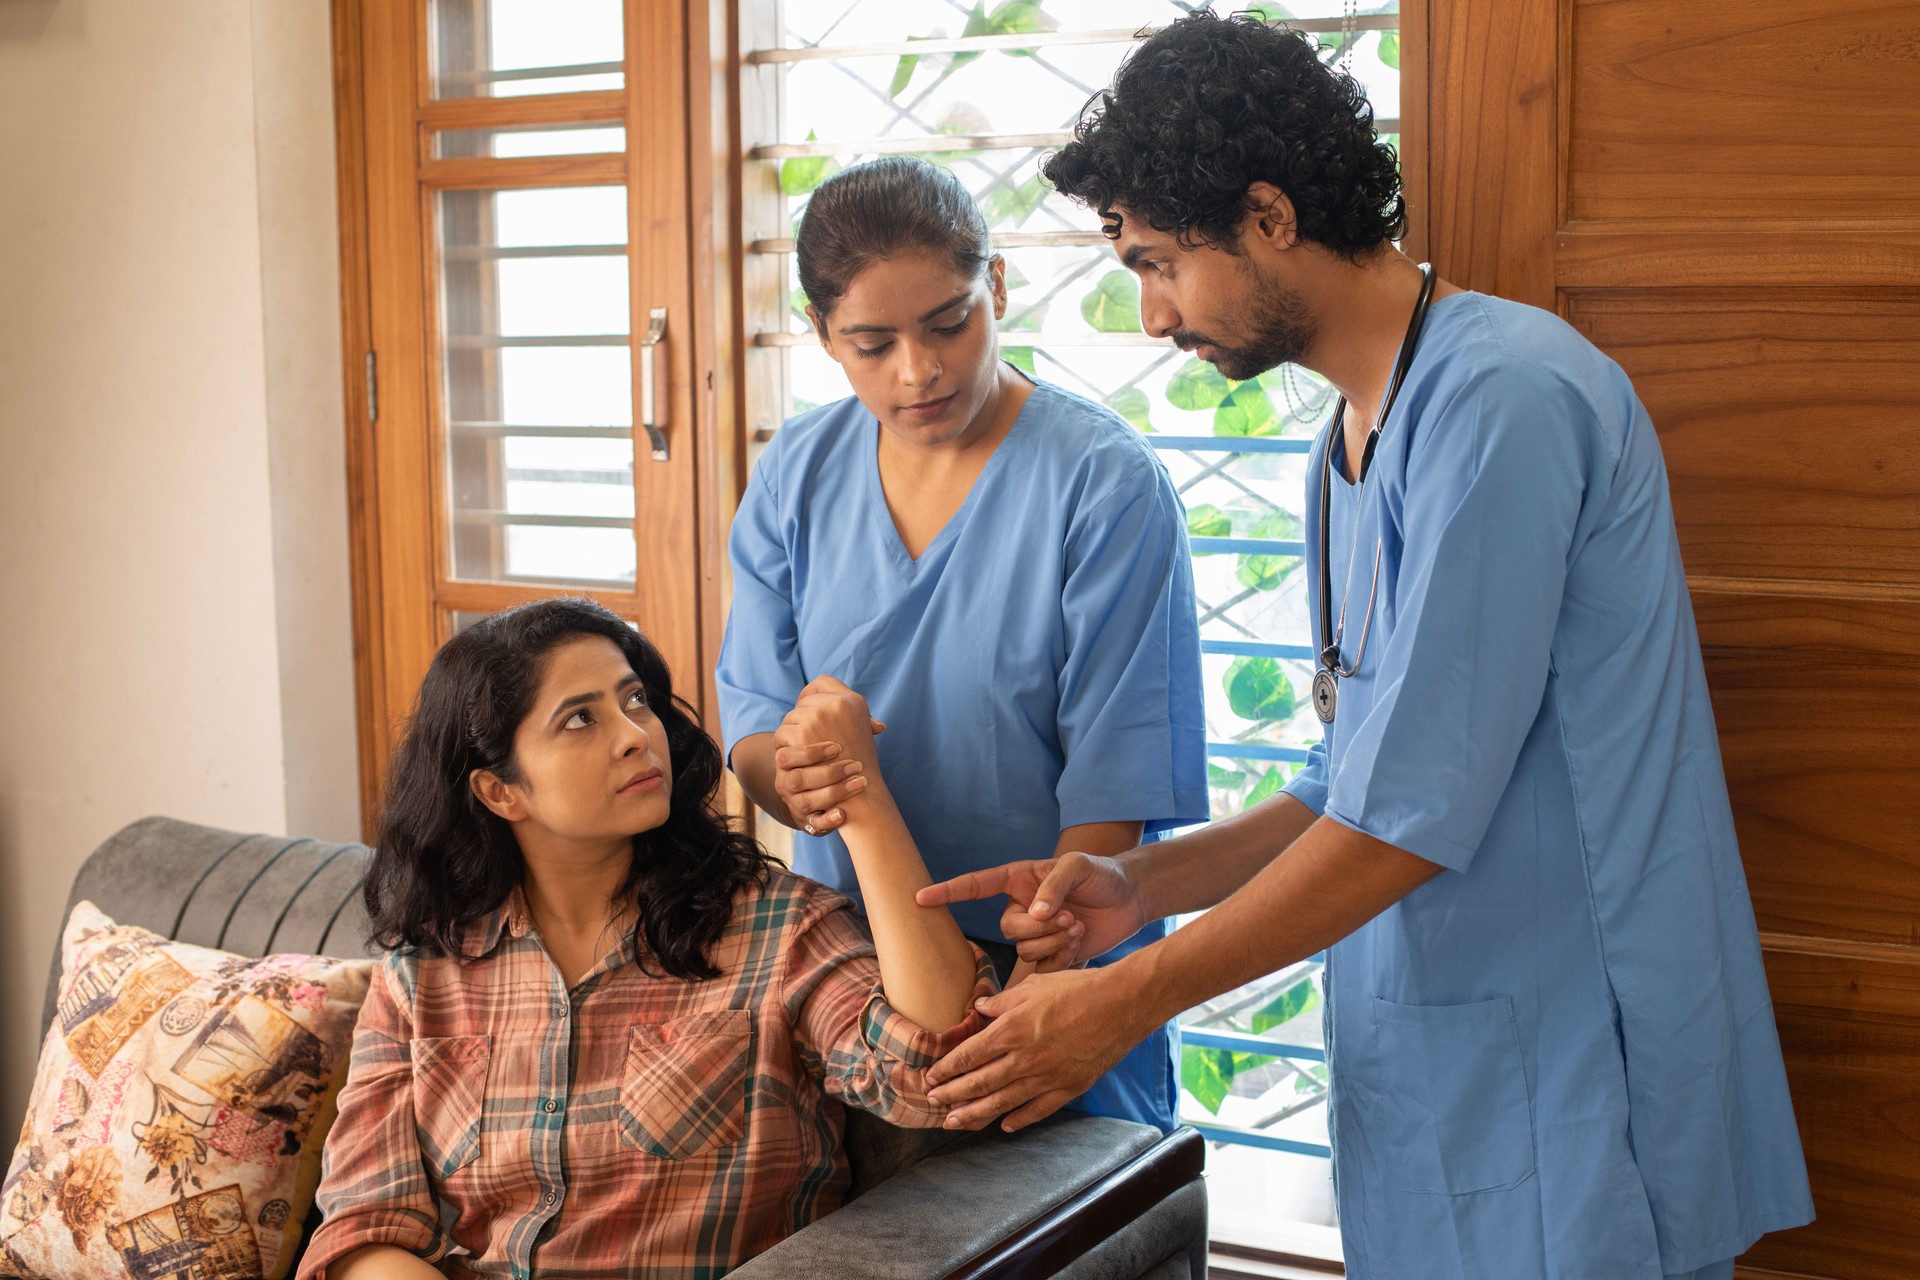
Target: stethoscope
(1327, 678)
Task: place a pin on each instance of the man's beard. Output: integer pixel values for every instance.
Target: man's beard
(1280, 326)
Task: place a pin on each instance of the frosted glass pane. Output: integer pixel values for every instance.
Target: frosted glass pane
(537, 384)
(511, 48)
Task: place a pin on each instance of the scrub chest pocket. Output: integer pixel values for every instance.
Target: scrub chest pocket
(1457, 1116)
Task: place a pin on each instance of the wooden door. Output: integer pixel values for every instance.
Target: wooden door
(1724, 198)
(522, 203)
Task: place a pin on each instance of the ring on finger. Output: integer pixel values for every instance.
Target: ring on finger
(807, 826)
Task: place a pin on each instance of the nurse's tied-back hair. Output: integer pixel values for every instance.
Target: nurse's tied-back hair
(445, 860)
(1208, 106)
(880, 210)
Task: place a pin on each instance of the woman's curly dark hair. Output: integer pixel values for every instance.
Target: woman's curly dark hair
(1208, 106)
(445, 860)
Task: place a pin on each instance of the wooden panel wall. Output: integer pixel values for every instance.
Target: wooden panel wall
(1726, 199)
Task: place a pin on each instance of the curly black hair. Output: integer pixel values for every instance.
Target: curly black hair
(444, 860)
(1208, 106)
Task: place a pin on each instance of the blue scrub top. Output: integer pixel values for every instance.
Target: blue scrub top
(1557, 1058)
(1037, 667)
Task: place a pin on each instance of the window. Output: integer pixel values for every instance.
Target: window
(987, 89)
(524, 321)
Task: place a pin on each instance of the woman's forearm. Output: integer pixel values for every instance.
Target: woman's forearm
(382, 1262)
(1202, 868)
(753, 769)
(927, 966)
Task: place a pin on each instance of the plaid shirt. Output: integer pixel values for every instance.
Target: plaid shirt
(495, 1123)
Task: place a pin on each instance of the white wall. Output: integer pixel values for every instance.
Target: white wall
(173, 553)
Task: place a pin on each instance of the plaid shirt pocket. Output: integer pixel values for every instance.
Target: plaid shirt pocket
(685, 1087)
(449, 1098)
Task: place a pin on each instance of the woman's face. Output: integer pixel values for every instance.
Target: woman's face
(592, 756)
(918, 340)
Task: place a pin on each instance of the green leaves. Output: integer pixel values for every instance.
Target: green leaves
(800, 175)
(903, 71)
(1258, 690)
(1220, 776)
(1286, 1006)
(1020, 358)
(1012, 17)
(1131, 404)
(1269, 785)
(1238, 408)
(1114, 304)
(977, 25)
(1266, 572)
(1016, 17)
(1390, 49)
(1208, 1074)
(1257, 571)
(1205, 520)
(1246, 412)
(1197, 386)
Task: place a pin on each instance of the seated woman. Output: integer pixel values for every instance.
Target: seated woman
(611, 1037)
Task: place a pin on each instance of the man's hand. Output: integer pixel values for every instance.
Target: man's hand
(824, 754)
(1096, 894)
(1053, 1036)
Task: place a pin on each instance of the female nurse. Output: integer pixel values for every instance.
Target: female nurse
(998, 566)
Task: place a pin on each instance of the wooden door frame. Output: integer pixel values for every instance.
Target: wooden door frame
(395, 618)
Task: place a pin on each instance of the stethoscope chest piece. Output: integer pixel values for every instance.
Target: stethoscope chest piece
(1326, 692)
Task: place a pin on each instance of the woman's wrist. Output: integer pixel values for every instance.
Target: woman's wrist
(872, 803)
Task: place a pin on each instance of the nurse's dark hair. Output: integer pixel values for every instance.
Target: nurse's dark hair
(880, 210)
(444, 860)
(1208, 106)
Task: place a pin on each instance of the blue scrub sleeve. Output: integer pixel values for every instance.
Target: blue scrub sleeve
(758, 676)
(1309, 784)
(1131, 722)
(1493, 493)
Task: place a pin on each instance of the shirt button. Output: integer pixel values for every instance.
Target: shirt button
(551, 1197)
(552, 1106)
(560, 1011)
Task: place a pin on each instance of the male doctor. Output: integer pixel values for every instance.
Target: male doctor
(1552, 1047)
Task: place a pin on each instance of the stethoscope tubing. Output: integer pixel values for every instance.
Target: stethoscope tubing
(1330, 634)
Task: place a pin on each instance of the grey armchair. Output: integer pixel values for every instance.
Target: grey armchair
(1077, 1196)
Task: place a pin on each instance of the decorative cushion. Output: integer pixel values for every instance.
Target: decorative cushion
(178, 1115)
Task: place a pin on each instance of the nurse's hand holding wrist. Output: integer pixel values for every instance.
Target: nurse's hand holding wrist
(820, 756)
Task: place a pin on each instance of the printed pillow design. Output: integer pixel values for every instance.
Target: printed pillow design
(179, 1110)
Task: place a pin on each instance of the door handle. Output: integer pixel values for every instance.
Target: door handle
(656, 431)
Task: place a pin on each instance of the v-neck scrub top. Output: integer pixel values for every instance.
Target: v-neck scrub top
(1558, 1057)
(1037, 667)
